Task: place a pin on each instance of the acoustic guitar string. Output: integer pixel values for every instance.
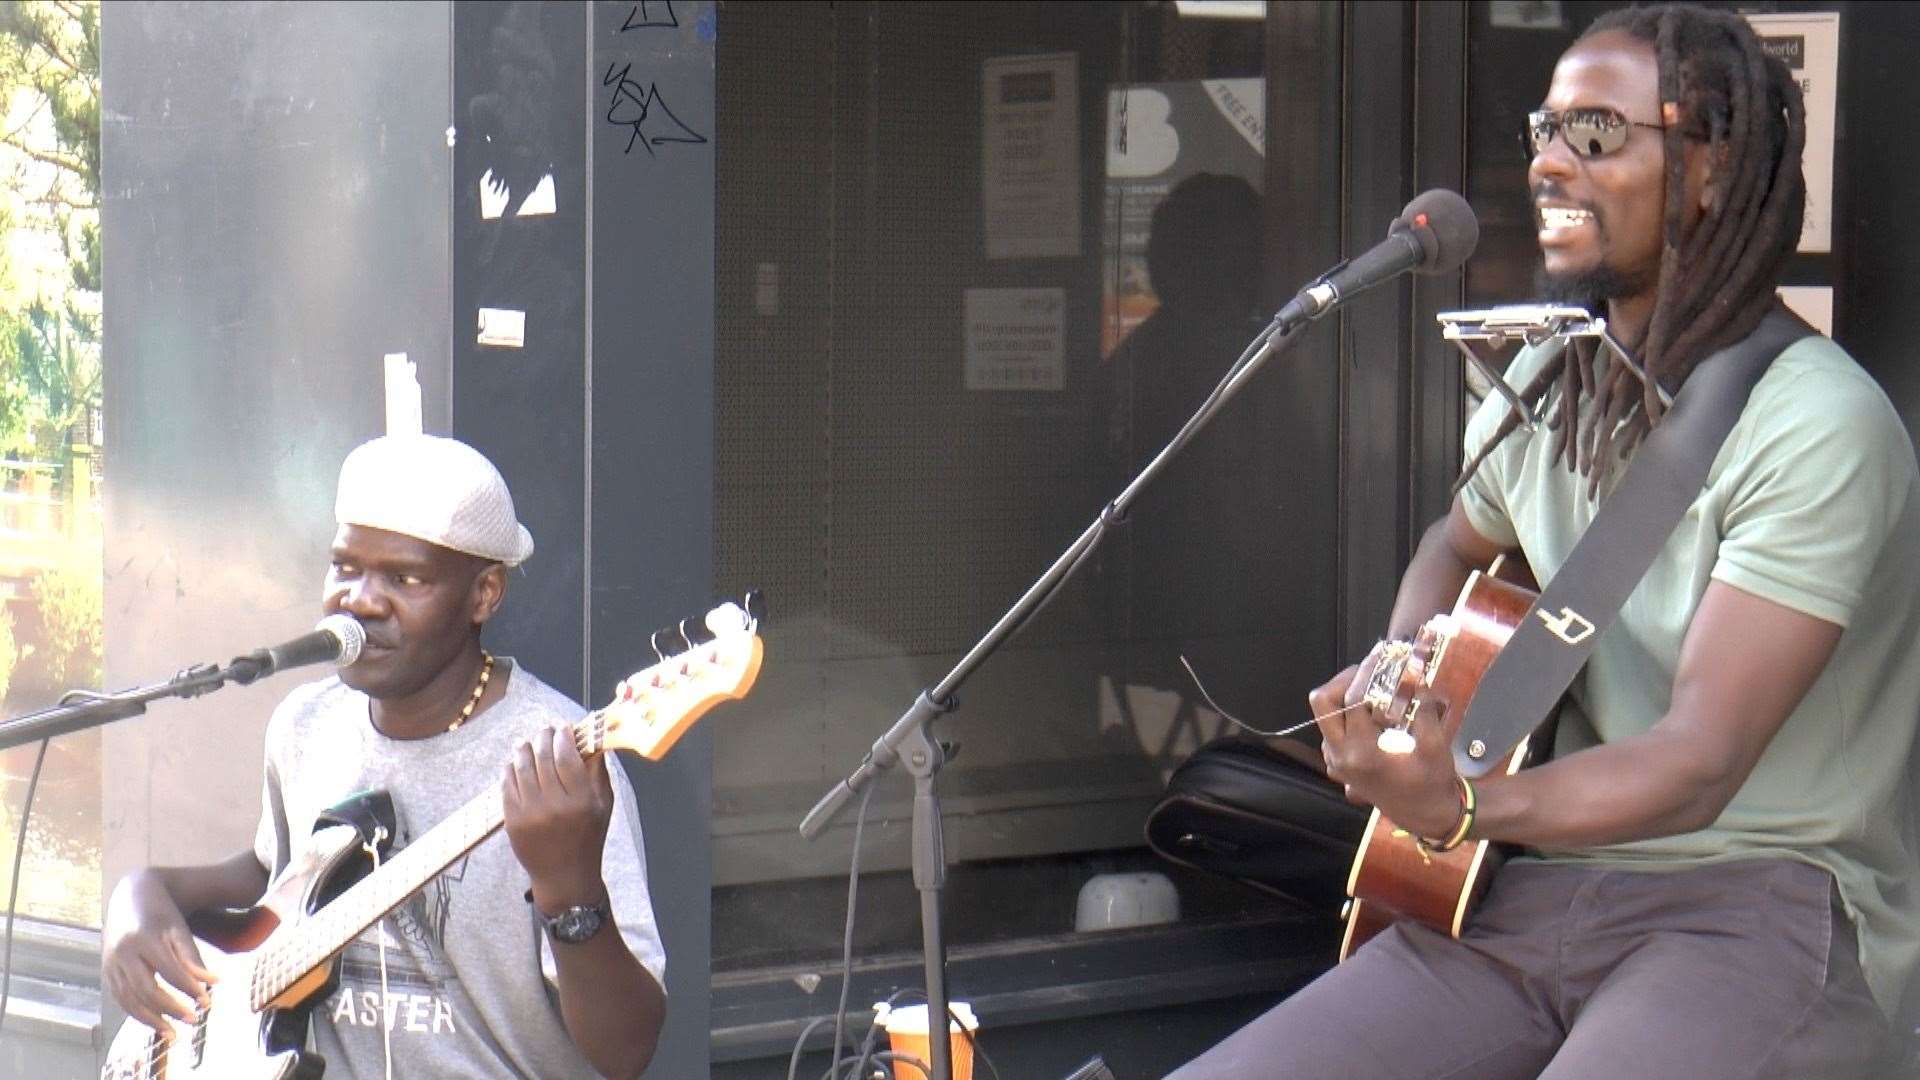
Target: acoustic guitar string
(1195, 676)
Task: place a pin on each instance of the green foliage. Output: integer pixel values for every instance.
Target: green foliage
(51, 49)
(49, 382)
(9, 651)
(72, 598)
(50, 343)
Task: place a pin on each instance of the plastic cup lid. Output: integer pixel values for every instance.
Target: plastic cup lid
(912, 1019)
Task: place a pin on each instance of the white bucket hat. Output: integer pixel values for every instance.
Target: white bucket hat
(434, 489)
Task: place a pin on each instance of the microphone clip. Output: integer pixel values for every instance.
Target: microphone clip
(198, 680)
(1322, 292)
(243, 670)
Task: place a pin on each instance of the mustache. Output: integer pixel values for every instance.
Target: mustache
(1549, 189)
(379, 638)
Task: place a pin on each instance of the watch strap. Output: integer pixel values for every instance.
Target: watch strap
(574, 923)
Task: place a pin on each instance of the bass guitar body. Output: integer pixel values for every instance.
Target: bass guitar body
(230, 1039)
(1393, 878)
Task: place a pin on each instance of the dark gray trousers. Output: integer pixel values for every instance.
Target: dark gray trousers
(1743, 970)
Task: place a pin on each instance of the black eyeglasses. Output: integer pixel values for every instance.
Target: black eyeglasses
(1592, 132)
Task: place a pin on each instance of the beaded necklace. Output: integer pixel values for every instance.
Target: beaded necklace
(479, 688)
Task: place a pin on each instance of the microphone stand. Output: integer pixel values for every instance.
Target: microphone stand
(911, 736)
(81, 709)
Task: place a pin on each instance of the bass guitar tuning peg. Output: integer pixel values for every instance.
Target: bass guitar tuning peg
(697, 627)
(728, 618)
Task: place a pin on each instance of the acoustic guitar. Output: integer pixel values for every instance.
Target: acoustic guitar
(1433, 676)
(279, 959)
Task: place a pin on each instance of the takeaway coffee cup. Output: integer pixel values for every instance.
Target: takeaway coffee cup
(907, 1032)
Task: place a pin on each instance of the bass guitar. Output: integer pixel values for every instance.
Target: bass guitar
(279, 959)
(1436, 673)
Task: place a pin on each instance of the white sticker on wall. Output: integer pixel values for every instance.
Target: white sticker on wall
(540, 201)
(766, 288)
(503, 327)
(403, 395)
(495, 195)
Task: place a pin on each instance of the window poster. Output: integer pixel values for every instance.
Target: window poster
(1205, 140)
(1016, 339)
(1030, 156)
(1809, 42)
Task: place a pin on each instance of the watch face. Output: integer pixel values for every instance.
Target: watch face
(576, 924)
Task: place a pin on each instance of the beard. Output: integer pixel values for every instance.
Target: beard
(1592, 288)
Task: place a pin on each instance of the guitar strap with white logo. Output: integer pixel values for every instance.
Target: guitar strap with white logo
(1665, 476)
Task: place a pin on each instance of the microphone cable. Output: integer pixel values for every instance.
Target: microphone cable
(869, 1053)
(13, 891)
(1273, 333)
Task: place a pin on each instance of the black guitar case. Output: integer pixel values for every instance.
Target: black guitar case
(1239, 808)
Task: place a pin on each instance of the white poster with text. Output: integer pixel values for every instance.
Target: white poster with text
(1030, 156)
(1809, 43)
(1016, 339)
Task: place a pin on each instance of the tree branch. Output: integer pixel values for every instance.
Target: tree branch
(46, 157)
(10, 136)
(74, 12)
(52, 198)
(37, 35)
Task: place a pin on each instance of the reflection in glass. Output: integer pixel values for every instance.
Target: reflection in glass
(50, 442)
(893, 502)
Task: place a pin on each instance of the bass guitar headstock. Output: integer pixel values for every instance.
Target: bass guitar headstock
(652, 708)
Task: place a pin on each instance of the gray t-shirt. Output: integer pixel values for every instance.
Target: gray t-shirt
(468, 969)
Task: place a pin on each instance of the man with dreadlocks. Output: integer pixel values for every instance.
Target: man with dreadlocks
(1720, 860)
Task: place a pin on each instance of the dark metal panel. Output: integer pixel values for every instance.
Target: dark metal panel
(650, 156)
(1378, 181)
(274, 191)
(1303, 236)
(519, 91)
(1875, 230)
(1439, 160)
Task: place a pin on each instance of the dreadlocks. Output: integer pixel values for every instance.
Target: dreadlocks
(1717, 282)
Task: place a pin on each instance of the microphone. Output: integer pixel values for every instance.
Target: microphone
(336, 639)
(1434, 234)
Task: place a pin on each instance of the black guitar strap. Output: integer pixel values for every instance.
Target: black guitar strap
(1664, 477)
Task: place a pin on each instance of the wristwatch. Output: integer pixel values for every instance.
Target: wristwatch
(574, 924)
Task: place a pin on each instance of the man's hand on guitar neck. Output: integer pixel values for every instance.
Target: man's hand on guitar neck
(1418, 790)
(557, 806)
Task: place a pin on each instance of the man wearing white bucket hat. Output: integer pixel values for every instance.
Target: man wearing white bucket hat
(535, 955)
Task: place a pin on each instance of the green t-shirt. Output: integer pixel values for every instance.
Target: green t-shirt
(1812, 503)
